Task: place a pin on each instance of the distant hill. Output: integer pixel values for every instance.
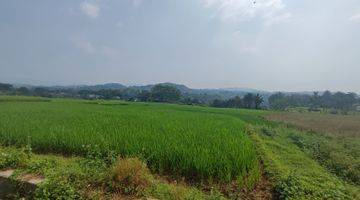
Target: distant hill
(182, 88)
(106, 86)
(220, 93)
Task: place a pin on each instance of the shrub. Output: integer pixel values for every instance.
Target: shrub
(40, 166)
(298, 141)
(130, 176)
(12, 158)
(297, 187)
(55, 188)
(99, 154)
(267, 132)
(177, 192)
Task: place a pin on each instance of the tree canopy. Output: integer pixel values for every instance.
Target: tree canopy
(165, 93)
(5, 87)
(339, 100)
(251, 101)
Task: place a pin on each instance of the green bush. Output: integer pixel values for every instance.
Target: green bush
(56, 189)
(12, 158)
(40, 166)
(294, 187)
(176, 192)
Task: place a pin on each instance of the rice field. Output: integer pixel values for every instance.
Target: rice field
(340, 125)
(195, 142)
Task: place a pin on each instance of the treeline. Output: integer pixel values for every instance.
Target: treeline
(251, 101)
(158, 93)
(334, 102)
(314, 102)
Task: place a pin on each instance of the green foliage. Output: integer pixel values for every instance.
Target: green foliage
(169, 192)
(5, 87)
(268, 132)
(297, 187)
(12, 158)
(172, 192)
(337, 101)
(56, 188)
(40, 166)
(215, 195)
(22, 99)
(248, 101)
(79, 178)
(165, 93)
(195, 142)
(297, 175)
(66, 179)
(97, 156)
(339, 155)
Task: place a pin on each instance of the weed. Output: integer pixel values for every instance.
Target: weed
(12, 158)
(131, 176)
(56, 188)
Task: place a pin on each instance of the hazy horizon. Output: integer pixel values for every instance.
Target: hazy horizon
(272, 45)
(18, 84)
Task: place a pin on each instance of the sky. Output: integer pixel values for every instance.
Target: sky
(275, 45)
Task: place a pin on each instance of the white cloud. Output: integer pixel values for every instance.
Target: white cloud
(270, 11)
(91, 10)
(355, 18)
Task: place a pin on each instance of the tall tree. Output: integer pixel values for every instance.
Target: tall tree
(278, 101)
(249, 100)
(23, 91)
(258, 100)
(235, 102)
(326, 99)
(5, 87)
(144, 95)
(43, 92)
(165, 93)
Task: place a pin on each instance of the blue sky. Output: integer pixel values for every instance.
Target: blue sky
(265, 44)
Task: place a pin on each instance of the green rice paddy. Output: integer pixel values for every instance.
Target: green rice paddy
(198, 143)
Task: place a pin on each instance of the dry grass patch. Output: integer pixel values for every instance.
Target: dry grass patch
(342, 125)
(131, 176)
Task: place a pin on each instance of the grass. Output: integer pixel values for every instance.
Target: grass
(332, 140)
(302, 158)
(5, 98)
(199, 143)
(295, 174)
(340, 125)
(94, 178)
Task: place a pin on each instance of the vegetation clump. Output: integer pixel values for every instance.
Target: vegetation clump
(56, 188)
(12, 158)
(131, 176)
(84, 178)
(296, 174)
